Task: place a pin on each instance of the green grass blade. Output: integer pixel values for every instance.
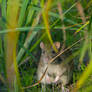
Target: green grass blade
(22, 12)
(3, 9)
(82, 27)
(26, 44)
(29, 38)
(31, 12)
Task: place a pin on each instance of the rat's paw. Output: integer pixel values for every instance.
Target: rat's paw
(56, 79)
(65, 89)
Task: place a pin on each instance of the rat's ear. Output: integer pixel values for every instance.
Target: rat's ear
(42, 45)
(57, 44)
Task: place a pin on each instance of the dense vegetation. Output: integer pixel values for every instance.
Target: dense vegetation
(25, 23)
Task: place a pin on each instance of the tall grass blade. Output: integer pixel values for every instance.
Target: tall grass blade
(29, 38)
(3, 9)
(22, 12)
(11, 42)
(31, 11)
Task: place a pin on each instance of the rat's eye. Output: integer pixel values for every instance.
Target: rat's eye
(60, 59)
(53, 52)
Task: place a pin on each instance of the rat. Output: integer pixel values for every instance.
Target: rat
(57, 71)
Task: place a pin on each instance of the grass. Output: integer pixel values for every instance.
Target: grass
(25, 23)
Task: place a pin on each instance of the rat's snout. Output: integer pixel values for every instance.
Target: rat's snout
(48, 58)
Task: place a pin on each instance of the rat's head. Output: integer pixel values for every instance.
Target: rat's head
(48, 52)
